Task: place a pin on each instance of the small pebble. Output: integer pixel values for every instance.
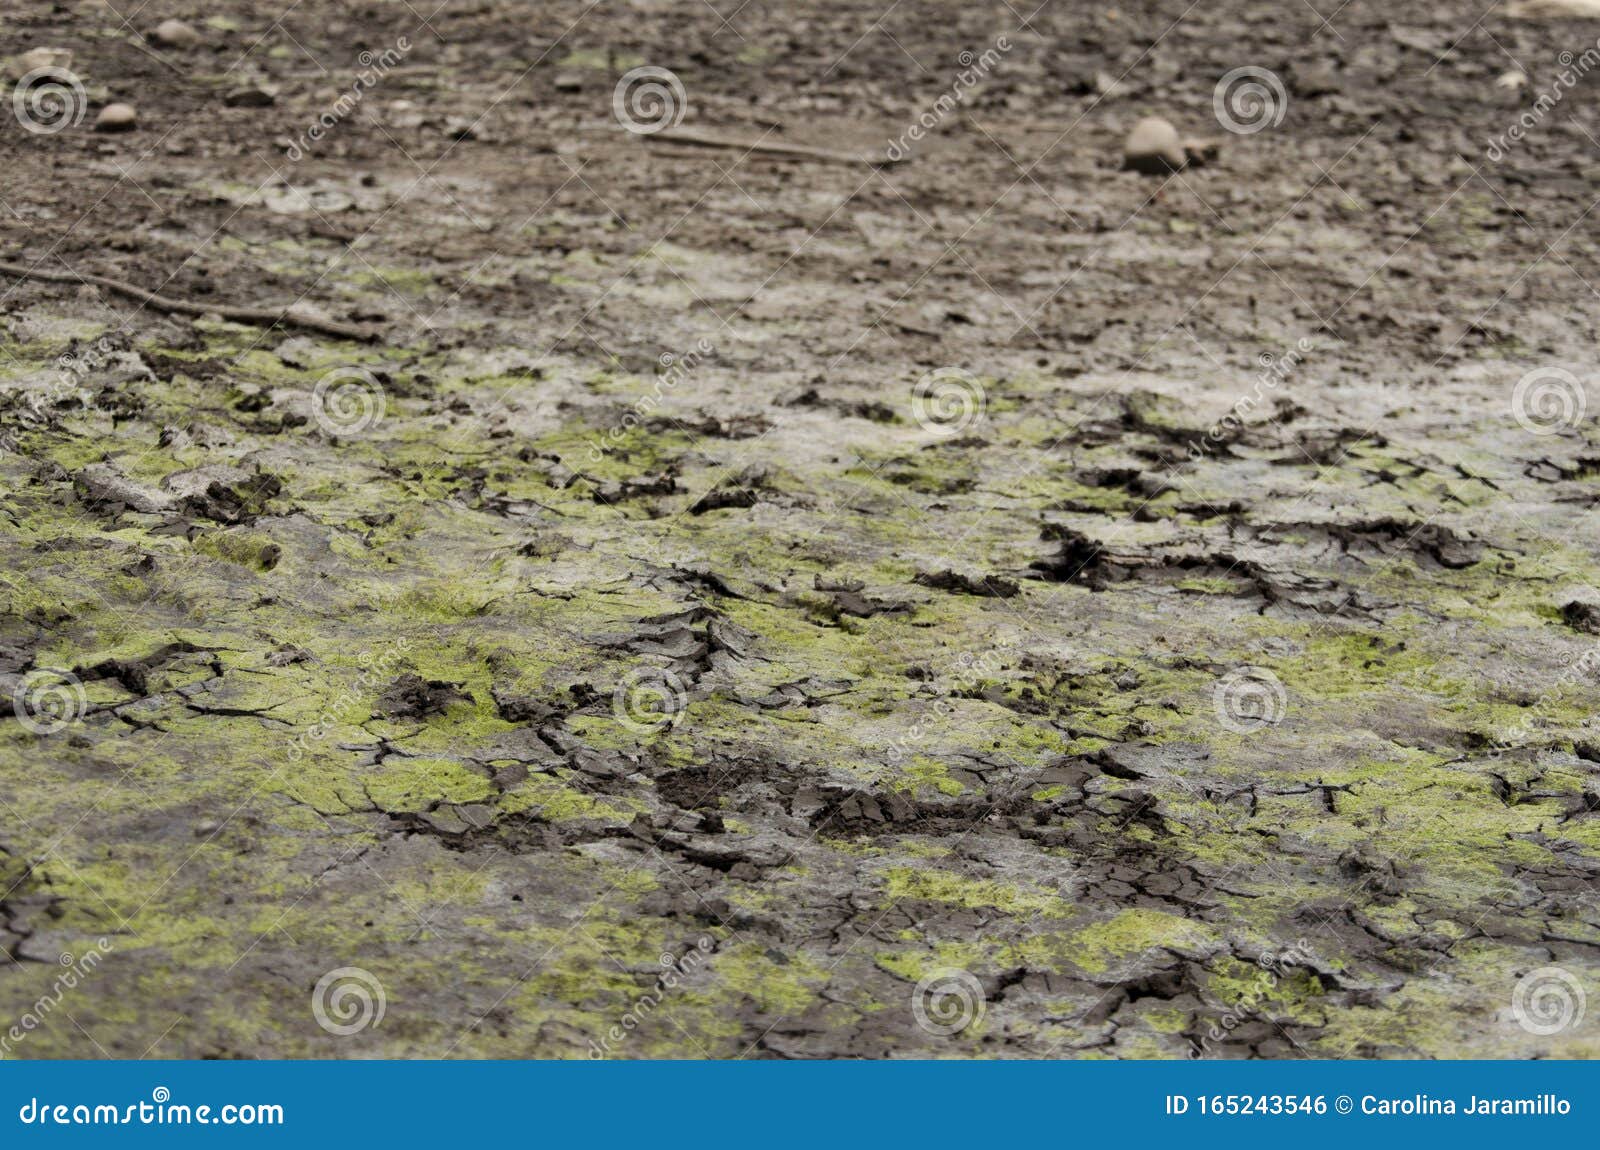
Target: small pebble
(1153, 147)
(116, 118)
(1107, 86)
(248, 97)
(35, 58)
(1513, 81)
(175, 34)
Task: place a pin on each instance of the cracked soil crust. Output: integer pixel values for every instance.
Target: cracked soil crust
(629, 661)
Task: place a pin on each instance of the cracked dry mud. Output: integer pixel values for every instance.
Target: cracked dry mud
(950, 702)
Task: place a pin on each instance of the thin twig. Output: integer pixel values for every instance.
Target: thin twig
(266, 317)
(743, 144)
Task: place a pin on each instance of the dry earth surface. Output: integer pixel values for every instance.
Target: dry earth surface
(746, 604)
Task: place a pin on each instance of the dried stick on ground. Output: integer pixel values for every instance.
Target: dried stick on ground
(745, 144)
(255, 315)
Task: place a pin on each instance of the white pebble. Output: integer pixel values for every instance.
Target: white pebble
(1153, 147)
(116, 118)
(175, 34)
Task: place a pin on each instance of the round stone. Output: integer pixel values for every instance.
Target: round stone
(1153, 147)
(36, 58)
(175, 34)
(116, 118)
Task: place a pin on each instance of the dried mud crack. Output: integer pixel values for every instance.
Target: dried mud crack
(1145, 607)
